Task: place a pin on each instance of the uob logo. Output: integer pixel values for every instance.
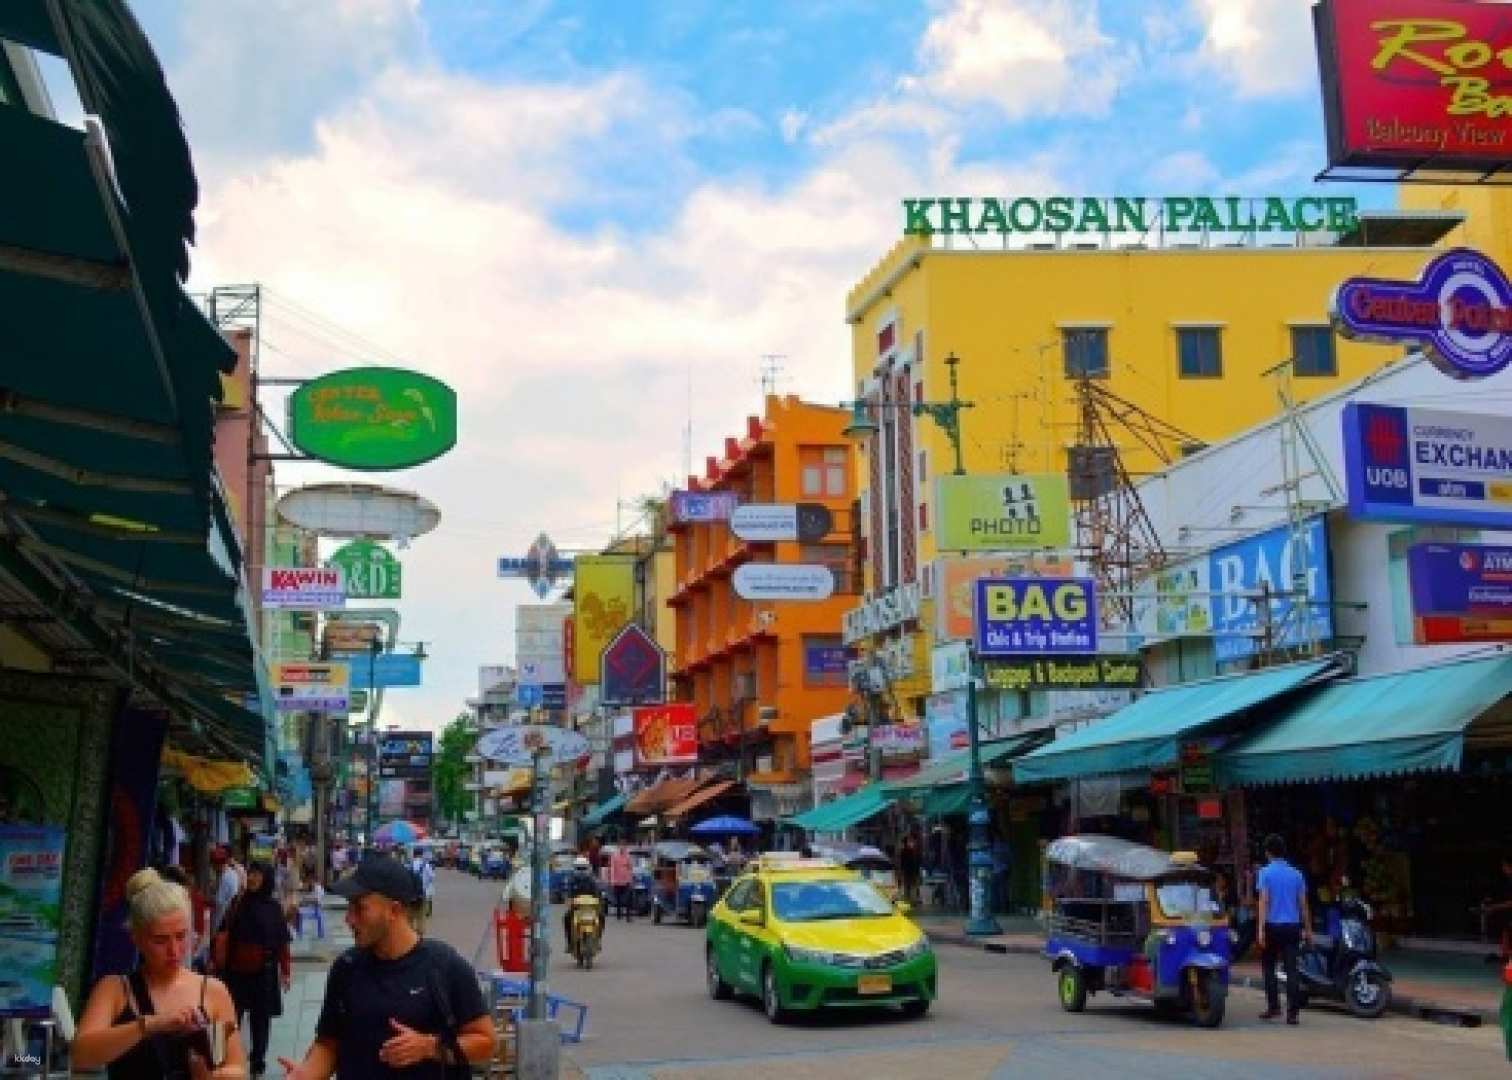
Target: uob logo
(1384, 432)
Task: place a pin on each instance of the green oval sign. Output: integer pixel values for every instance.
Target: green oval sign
(374, 418)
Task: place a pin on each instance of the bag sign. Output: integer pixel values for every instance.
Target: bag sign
(305, 588)
(1035, 616)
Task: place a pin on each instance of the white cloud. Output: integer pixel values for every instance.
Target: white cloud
(1185, 170)
(792, 124)
(1259, 47)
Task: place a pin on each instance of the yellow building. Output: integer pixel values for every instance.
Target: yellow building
(1181, 324)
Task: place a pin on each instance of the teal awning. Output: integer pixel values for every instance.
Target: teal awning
(844, 812)
(1383, 725)
(955, 766)
(947, 801)
(597, 815)
(1148, 734)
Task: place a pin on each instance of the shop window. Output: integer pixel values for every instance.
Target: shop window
(836, 459)
(1085, 351)
(1199, 352)
(1313, 351)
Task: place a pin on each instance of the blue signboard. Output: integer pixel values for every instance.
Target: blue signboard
(632, 669)
(31, 881)
(554, 695)
(825, 665)
(1427, 465)
(1238, 572)
(381, 670)
(1460, 592)
(529, 695)
(1024, 616)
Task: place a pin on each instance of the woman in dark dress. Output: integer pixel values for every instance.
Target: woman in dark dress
(254, 959)
(158, 1022)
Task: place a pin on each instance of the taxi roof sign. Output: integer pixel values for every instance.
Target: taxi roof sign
(788, 861)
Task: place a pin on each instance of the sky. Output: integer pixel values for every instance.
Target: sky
(594, 218)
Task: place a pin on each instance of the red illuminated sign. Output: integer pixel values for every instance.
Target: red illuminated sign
(1410, 83)
(665, 735)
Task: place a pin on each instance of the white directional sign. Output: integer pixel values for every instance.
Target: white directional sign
(517, 744)
(783, 581)
(765, 523)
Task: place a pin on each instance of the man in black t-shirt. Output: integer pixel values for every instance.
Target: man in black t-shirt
(395, 1005)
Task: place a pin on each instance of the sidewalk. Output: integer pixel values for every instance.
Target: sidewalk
(293, 1032)
(1426, 985)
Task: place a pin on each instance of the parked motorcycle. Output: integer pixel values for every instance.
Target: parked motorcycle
(587, 929)
(1344, 967)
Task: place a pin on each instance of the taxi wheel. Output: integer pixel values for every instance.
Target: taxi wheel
(771, 1000)
(719, 990)
(1073, 989)
(915, 1008)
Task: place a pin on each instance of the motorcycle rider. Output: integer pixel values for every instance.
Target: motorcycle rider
(582, 883)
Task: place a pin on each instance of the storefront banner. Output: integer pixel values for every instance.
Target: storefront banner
(1175, 602)
(311, 687)
(31, 885)
(825, 665)
(946, 716)
(1458, 311)
(1035, 616)
(603, 602)
(518, 744)
(1065, 673)
(765, 523)
(690, 507)
(350, 636)
(880, 614)
(898, 740)
(1003, 512)
(373, 418)
(665, 735)
(1427, 465)
(949, 666)
(303, 588)
(955, 577)
(369, 570)
(1413, 84)
(1460, 592)
(1270, 562)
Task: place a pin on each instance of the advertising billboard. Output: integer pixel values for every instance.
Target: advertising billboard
(956, 576)
(665, 735)
(783, 581)
(1035, 616)
(603, 602)
(31, 883)
(1105, 672)
(1414, 83)
(1460, 592)
(374, 418)
(632, 670)
(765, 523)
(690, 507)
(1003, 512)
(311, 687)
(369, 570)
(405, 755)
(1426, 465)
(305, 588)
(1268, 561)
(384, 669)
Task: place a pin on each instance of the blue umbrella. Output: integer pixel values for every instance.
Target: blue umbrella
(725, 825)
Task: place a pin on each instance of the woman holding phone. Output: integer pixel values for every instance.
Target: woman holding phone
(162, 1020)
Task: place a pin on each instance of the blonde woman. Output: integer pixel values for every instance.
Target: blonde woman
(157, 1022)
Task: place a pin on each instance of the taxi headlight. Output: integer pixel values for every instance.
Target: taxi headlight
(801, 955)
(917, 949)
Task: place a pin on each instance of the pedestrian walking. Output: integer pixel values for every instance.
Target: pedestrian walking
(1284, 921)
(620, 876)
(227, 885)
(252, 956)
(163, 1021)
(395, 1004)
(425, 875)
(910, 863)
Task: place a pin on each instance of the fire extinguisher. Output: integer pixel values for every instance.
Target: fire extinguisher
(509, 941)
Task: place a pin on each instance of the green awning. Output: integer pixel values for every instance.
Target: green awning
(597, 815)
(844, 812)
(1383, 725)
(947, 801)
(956, 766)
(1148, 734)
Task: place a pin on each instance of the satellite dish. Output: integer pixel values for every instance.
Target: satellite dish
(368, 510)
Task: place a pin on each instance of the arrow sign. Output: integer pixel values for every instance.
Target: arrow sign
(764, 523)
(517, 745)
(783, 581)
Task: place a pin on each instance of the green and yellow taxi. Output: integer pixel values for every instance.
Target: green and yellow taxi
(805, 934)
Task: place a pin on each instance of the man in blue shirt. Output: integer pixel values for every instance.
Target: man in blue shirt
(1284, 920)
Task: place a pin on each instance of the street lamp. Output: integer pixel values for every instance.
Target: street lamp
(947, 414)
(372, 792)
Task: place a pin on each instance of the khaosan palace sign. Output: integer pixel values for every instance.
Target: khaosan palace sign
(1170, 213)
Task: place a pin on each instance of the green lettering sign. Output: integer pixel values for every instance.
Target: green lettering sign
(1099, 672)
(374, 418)
(371, 571)
(1059, 214)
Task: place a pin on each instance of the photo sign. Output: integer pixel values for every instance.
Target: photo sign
(518, 744)
(1426, 465)
(1414, 83)
(369, 570)
(1460, 592)
(1003, 512)
(304, 588)
(374, 418)
(1458, 311)
(1035, 616)
(665, 735)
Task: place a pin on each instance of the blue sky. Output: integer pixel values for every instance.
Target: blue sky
(594, 218)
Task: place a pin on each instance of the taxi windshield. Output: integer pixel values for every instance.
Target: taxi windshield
(1185, 899)
(811, 901)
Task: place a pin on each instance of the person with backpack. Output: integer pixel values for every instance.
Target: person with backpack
(395, 1004)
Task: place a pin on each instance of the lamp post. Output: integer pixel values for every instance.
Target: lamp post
(372, 791)
(947, 414)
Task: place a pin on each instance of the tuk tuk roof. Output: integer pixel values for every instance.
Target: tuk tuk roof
(1120, 858)
(679, 850)
(848, 853)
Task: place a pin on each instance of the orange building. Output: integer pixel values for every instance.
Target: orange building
(760, 673)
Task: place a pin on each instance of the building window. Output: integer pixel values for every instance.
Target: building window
(835, 556)
(1199, 351)
(1085, 349)
(824, 471)
(1313, 351)
(836, 459)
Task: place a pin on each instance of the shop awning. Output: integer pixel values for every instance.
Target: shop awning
(698, 798)
(843, 813)
(657, 797)
(947, 801)
(1148, 734)
(597, 815)
(1382, 725)
(955, 766)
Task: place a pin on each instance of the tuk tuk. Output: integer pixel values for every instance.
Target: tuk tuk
(871, 863)
(684, 883)
(642, 879)
(560, 863)
(1134, 921)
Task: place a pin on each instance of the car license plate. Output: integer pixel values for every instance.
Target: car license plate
(874, 984)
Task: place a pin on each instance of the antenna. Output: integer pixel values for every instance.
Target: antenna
(771, 370)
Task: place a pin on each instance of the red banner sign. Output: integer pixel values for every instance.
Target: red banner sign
(665, 735)
(1410, 83)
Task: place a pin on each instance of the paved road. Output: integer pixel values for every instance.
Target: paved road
(997, 1016)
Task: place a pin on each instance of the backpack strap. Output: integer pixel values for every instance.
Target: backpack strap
(442, 999)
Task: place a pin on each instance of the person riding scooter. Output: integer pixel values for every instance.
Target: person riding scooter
(582, 883)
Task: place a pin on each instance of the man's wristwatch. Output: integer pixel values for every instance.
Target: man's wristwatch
(142, 1026)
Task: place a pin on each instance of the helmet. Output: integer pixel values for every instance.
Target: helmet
(580, 863)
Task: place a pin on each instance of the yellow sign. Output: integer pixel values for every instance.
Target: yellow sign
(956, 577)
(604, 601)
(1003, 513)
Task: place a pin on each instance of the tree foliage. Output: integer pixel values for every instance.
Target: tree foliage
(450, 771)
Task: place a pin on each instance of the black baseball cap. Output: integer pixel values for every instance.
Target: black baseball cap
(379, 875)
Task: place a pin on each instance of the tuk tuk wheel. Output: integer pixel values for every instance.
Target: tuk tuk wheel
(1367, 995)
(1208, 1000)
(1073, 989)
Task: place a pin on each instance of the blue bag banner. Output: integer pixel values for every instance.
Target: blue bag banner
(31, 881)
(1023, 616)
(1268, 561)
